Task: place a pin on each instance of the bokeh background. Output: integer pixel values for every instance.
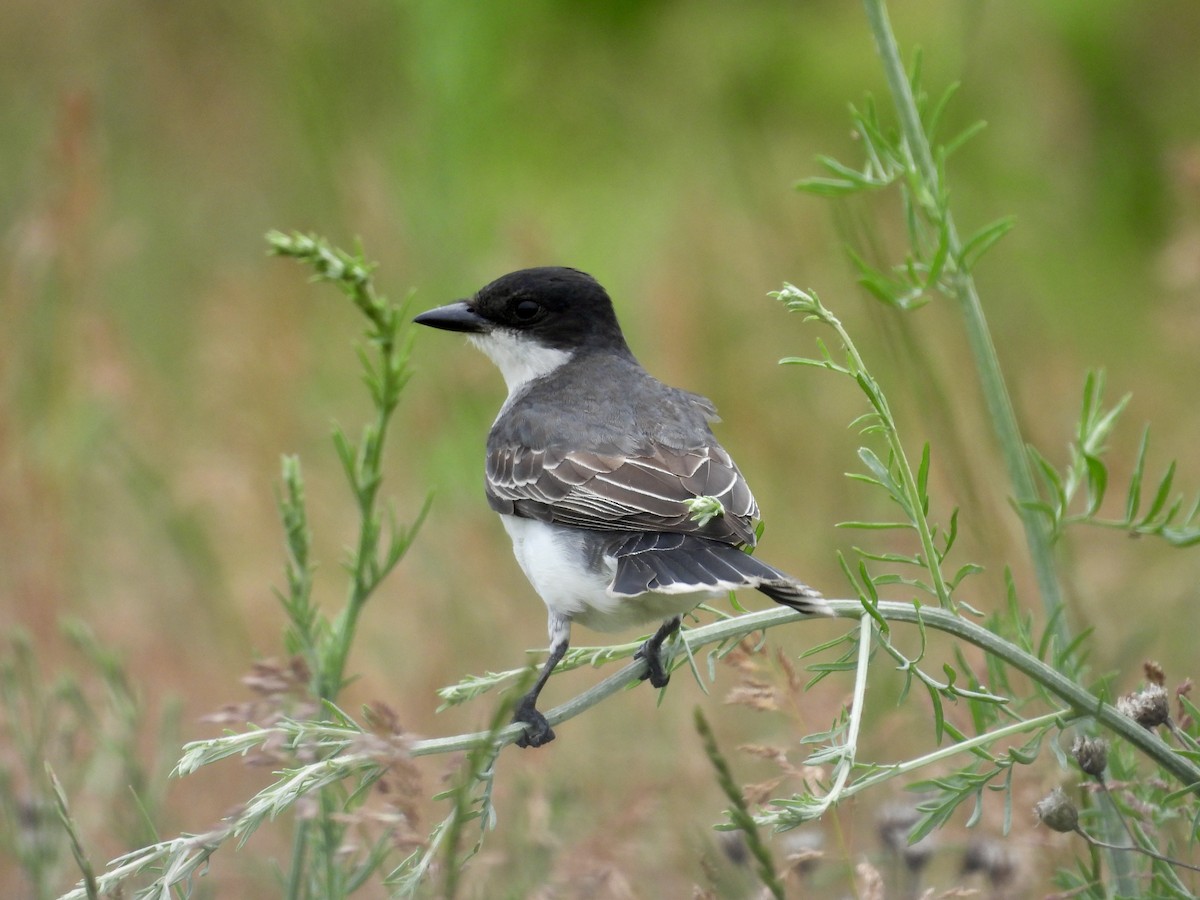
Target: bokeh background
(155, 364)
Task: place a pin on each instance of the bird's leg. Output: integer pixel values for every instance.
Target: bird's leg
(651, 653)
(537, 729)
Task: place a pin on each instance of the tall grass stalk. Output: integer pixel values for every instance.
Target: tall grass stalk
(932, 194)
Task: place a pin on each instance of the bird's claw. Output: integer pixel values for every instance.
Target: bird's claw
(537, 729)
(655, 673)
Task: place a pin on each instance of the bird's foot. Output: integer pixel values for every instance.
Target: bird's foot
(537, 729)
(651, 652)
(655, 672)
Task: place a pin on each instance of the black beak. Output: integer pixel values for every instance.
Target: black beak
(455, 317)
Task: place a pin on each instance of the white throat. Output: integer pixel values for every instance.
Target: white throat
(519, 359)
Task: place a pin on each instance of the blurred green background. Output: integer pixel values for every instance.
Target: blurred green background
(155, 364)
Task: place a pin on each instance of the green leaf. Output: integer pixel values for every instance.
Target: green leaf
(704, 509)
(848, 665)
(868, 421)
(898, 558)
(1091, 400)
(951, 146)
(983, 240)
(934, 118)
(937, 262)
(829, 187)
(923, 478)
(884, 477)
(1051, 478)
(846, 638)
(939, 716)
(1134, 499)
(1187, 535)
(1161, 495)
(915, 583)
(869, 604)
(839, 169)
(812, 363)
(1097, 482)
(963, 572)
(1101, 429)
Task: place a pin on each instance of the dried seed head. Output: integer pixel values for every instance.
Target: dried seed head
(1057, 811)
(1148, 707)
(1091, 754)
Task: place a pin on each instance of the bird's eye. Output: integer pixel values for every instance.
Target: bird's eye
(527, 310)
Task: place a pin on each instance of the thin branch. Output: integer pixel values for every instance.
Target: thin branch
(1078, 699)
(1125, 848)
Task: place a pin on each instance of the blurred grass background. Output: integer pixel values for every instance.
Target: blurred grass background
(154, 364)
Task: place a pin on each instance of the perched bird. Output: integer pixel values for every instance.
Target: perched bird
(621, 505)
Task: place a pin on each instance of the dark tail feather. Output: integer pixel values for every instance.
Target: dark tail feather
(799, 597)
(676, 563)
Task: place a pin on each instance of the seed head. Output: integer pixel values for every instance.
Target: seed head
(1149, 707)
(1057, 811)
(1091, 754)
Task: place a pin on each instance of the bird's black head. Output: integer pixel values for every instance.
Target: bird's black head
(557, 307)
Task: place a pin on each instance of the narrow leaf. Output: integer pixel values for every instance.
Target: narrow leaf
(981, 241)
(1097, 482)
(951, 146)
(1134, 500)
(1161, 495)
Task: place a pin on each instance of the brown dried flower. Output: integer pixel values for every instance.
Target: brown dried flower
(1148, 707)
(1057, 812)
(1091, 754)
(1154, 672)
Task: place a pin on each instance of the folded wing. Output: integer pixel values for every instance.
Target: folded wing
(649, 490)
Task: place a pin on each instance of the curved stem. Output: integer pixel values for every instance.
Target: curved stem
(1077, 698)
(1096, 842)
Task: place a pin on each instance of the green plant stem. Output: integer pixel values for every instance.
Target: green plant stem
(1154, 854)
(368, 475)
(384, 362)
(995, 393)
(379, 545)
(1038, 533)
(739, 812)
(187, 855)
(982, 740)
(366, 575)
(857, 369)
(1078, 699)
(845, 763)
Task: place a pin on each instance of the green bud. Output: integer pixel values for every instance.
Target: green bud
(705, 509)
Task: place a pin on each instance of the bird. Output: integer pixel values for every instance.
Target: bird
(622, 507)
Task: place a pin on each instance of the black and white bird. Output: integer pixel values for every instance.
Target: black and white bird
(621, 505)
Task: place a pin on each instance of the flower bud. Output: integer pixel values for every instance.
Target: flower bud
(1091, 754)
(1057, 811)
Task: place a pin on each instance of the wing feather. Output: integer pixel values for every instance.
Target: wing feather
(648, 490)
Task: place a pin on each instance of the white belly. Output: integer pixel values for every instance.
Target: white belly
(570, 589)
